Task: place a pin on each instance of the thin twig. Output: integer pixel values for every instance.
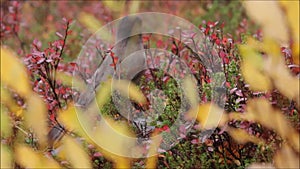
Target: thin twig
(23, 131)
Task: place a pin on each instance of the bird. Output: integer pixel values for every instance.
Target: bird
(130, 58)
(128, 49)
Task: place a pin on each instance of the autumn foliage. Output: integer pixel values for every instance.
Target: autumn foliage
(257, 126)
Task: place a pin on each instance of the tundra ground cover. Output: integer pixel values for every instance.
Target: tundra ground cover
(40, 41)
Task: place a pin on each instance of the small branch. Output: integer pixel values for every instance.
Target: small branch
(194, 53)
(61, 52)
(53, 85)
(23, 131)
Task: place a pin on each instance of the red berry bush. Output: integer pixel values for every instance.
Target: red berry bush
(257, 44)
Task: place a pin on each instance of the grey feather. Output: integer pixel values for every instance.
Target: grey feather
(130, 61)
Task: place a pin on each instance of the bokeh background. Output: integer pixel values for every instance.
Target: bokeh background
(257, 42)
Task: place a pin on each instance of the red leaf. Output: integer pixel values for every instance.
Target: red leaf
(146, 38)
(49, 60)
(159, 44)
(73, 65)
(227, 84)
(64, 19)
(116, 59)
(195, 141)
(214, 36)
(166, 79)
(40, 60)
(224, 41)
(224, 57)
(97, 154)
(295, 70)
(174, 48)
(206, 30)
(52, 117)
(210, 24)
(113, 65)
(165, 128)
(239, 93)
